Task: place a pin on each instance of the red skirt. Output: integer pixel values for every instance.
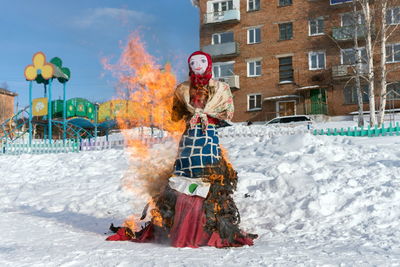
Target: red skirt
(188, 228)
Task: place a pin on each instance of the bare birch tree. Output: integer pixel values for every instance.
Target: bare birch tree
(383, 73)
(355, 31)
(387, 30)
(369, 75)
(358, 69)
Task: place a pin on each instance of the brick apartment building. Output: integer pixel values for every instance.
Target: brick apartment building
(287, 57)
(6, 104)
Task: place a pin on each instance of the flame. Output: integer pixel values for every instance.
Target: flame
(214, 178)
(147, 87)
(156, 217)
(131, 223)
(146, 91)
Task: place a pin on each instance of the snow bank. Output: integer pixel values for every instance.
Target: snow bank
(314, 201)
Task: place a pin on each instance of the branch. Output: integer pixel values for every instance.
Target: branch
(391, 32)
(351, 78)
(393, 69)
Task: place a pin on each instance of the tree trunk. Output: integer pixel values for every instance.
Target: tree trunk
(358, 71)
(370, 61)
(382, 95)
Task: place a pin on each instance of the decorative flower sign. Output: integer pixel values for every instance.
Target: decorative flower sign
(39, 67)
(63, 74)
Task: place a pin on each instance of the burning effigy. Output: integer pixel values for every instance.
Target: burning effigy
(191, 203)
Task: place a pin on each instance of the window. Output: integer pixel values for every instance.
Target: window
(254, 102)
(348, 56)
(285, 70)
(350, 94)
(285, 2)
(316, 26)
(253, 5)
(222, 6)
(393, 16)
(278, 120)
(393, 53)
(223, 69)
(316, 60)
(254, 68)
(393, 90)
(348, 19)
(285, 31)
(220, 38)
(253, 36)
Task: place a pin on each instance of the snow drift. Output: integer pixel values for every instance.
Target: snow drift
(313, 201)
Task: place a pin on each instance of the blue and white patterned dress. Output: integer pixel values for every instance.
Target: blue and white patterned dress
(197, 150)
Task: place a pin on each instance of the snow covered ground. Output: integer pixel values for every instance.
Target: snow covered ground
(313, 200)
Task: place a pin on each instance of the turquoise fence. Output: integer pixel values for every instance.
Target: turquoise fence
(58, 146)
(361, 131)
(40, 147)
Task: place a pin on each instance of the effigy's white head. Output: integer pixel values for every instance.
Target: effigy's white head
(198, 64)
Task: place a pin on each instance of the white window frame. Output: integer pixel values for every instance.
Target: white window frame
(210, 5)
(215, 64)
(341, 54)
(390, 10)
(255, 101)
(219, 37)
(248, 5)
(252, 31)
(284, 101)
(393, 95)
(353, 94)
(255, 67)
(359, 18)
(310, 62)
(309, 27)
(392, 48)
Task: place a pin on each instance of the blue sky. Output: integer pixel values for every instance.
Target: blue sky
(82, 32)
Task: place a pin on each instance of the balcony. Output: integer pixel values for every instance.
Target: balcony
(222, 16)
(346, 33)
(337, 2)
(344, 71)
(232, 81)
(222, 50)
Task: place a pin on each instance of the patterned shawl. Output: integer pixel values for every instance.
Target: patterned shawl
(219, 104)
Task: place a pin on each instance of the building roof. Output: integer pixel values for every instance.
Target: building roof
(308, 87)
(281, 97)
(6, 92)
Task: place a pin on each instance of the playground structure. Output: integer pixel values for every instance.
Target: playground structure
(55, 120)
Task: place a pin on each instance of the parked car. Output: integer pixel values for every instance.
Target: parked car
(291, 121)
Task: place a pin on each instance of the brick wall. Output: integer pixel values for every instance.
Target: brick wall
(268, 18)
(6, 106)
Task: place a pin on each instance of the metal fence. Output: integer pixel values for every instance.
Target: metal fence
(40, 147)
(91, 145)
(362, 131)
(120, 142)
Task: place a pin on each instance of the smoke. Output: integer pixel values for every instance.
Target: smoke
(150, 168)
(195, 2)
(4, 85)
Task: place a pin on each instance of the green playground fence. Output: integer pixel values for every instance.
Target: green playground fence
(391, 130)
(40, 147)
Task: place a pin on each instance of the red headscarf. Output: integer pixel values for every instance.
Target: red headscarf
(197, 79)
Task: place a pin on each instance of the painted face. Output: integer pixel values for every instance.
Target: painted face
(198, 64)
